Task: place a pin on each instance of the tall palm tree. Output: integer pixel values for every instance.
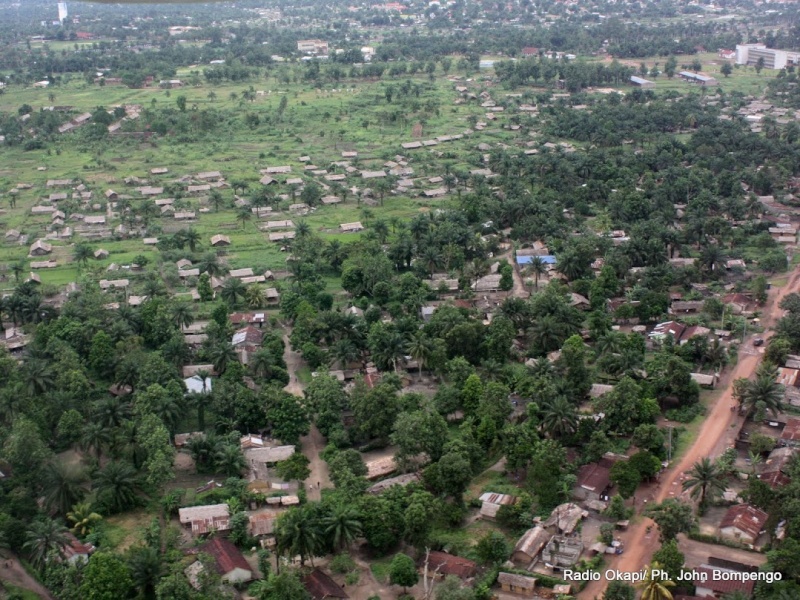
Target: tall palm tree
(209, 263)
(201, 399)
(537, 267)
(145, 566)
(244, 215)
(559, 417)
(95, 436)
(381, 230)
(389, 348)
(229, 459)
(254, 296)
(298, 532)
(38, 375)
(18, 268)
(83, 519)
(430, 258)
(44, 538)
(762, 394)
(233, 290)
(63, 486)
(546, 332)
(182, 314)
(345, 351)
(342, 526)
(117, 486)
(653, 586)
(82, 254)
(262, 363)
(420, 347)
(192, 238)
(221, 355)
(704, 479)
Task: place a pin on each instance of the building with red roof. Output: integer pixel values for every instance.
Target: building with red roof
(230, 562)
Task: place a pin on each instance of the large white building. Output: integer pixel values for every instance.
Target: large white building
(748, 54)
(62, 11)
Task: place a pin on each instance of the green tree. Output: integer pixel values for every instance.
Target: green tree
(82, 254)
(63, 485)
(670, 558)
(760, 395)
(233, 291)
(294, 468)
(559, 417)
(280, 586)
(618, 590)
(422, 431)
(704, 480)
(626, 477)
(726, 69)
(117, 486)
(342, 526)
(288, 418)
(204, 289)
(403, 572)
(298, 532)
(493, 548)
(145, 567)
(654, 587)
(672, 517)
(43, 538)
(106, 577)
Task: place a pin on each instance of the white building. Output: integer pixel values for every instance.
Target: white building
(62, 12)
(748, 54)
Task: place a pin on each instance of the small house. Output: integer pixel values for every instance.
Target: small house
(320, 586)
(220, 240)
(351, 227)
(530, 545)
(230, 562)
(205, 519)
(491, 504)
(517, 584)
(101, 254)
(40, 248)
(743, 523)
(442, 564)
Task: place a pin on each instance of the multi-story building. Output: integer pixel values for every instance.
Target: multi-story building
(749, 54)
(317, 47)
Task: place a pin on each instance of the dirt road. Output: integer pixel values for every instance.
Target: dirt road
(12, 572)
(313, 443)
(714, 436)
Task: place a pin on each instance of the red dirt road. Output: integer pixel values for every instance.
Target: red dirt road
(714, 436)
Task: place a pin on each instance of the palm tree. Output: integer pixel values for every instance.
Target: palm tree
(63, 486)
(233, 290)
(254, 296)
(83, 519)
(298, 533)
(18, 268)
(82, 254)
(45, 537)
(389, 348)
(559, 418)
(762, 394)
(117, 486)
(95, 436)
(342, 526)
(145, 567)
(262, 363)
(302, 230)
(221, 355)
(381, 230)
(704, 478)
(244, 215)
(111, 411)
(653, 586)
(200, 399)
(192, 238)
(712, 258)
(182, 314)
(38, 375)
(537, 267)
(420, 347)
(430, 258)
(209, 263)
(546, 333)
(228, 459)
(345, 351)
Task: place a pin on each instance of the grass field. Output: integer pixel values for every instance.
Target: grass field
(320, 122)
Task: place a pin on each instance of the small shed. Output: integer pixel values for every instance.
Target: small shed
(220, 240)
(517, 584)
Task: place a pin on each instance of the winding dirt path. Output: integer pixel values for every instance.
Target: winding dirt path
(313, 443)
(12, 572)
(716, 434)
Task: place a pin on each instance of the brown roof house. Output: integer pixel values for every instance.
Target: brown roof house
(530, 545)
(40, 248)
(229, 561)
(743, 523)
(443, 564)
(594, 479)
(321, 587)
(205, 519)
(220, 240)
(517, 584)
